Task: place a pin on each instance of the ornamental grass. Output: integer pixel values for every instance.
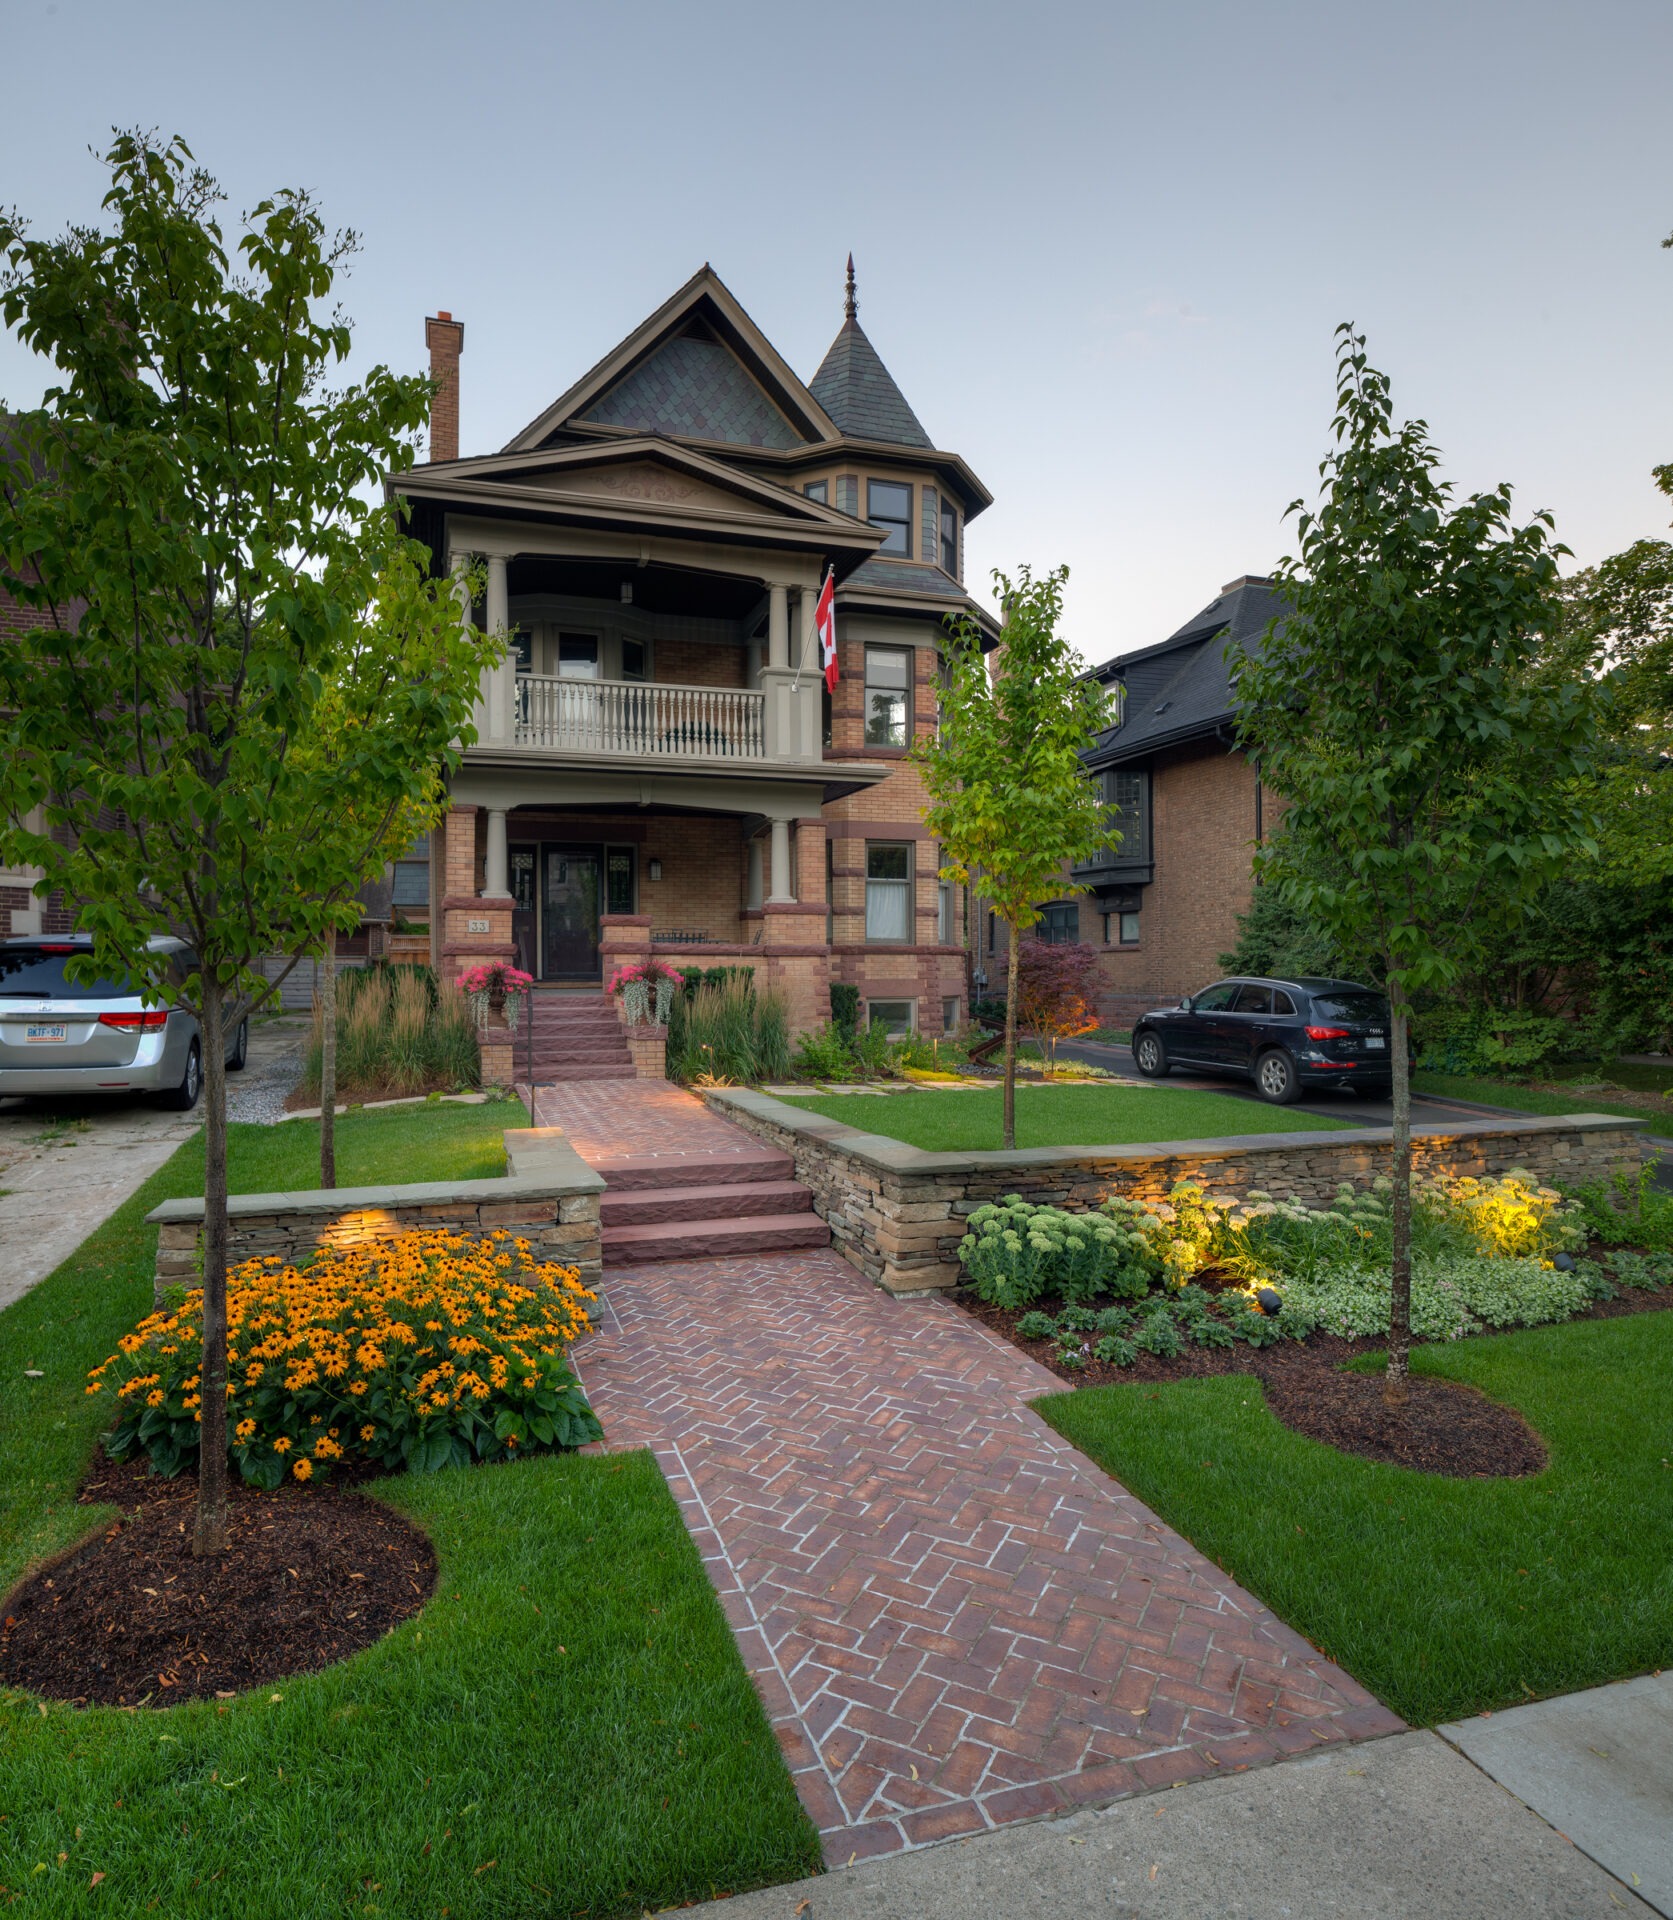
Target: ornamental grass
(424, 1351)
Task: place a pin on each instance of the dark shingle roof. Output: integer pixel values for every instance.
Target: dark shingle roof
(859, 393)
(905, 576)
(694, 388)
(1182, 687)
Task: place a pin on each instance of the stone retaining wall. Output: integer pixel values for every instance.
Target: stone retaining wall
(549, 1198)
(897, 1213)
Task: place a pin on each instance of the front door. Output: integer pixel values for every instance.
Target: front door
(569, 915)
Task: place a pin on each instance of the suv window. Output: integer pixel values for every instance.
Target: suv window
(1281, 1002)
(1352, 1006)
(1253, 1000)
(1214, 999)
(29, 972)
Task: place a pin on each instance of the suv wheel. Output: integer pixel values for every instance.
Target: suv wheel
(1151, 1057)
(1276, 1078)
(240, 1049)
(185, 1096)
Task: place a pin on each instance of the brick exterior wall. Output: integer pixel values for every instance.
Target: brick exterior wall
(19, 907)
(691, 663)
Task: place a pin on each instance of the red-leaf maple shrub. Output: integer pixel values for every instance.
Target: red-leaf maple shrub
(1057, 993)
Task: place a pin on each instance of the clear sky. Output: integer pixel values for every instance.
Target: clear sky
(1102, 248)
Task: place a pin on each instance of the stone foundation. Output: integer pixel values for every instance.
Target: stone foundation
(897, 1213)
(549, 1198)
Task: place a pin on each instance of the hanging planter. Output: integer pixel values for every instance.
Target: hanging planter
(495, 992)
(646, 989)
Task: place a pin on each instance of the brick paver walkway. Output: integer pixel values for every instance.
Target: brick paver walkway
(954, 1619)
(641, 1119)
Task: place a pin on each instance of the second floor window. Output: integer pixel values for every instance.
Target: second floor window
(949, 537)
(819, 490)
(888, 891)
(889, 506)
(888, 696)
(1127, 796)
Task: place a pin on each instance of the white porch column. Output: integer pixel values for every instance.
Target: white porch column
(497, 874)
(807, 656)
(753, 887)
(778, 625)
(501, 722)
(480, 707)
(782, 893)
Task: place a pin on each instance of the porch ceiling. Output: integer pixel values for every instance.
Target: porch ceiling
(685, 591)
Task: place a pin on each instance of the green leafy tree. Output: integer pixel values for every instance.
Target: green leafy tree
(247, 671)
(1431, 786)
(1009, 799)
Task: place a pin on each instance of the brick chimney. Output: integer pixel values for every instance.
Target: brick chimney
(445, 337)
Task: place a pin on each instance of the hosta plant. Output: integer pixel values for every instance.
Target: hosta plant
(425, 1351)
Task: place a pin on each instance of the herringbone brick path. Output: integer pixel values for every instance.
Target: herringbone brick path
(617, 1119)
(954, 1619)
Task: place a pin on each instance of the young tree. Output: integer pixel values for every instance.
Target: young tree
(193, 509)
(1431, 785)
(1009, 798)
(1057, 993)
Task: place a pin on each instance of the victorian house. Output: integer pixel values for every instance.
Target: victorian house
(658, 764)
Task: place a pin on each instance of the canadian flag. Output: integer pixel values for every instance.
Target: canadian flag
(824, 624)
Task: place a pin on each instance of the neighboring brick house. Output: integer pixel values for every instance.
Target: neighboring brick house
(1162, 906)
(657, 762)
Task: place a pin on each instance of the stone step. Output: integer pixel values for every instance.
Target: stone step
(631, 1173)
(581, 1070)
(654, 1207)
(709, 1239)
(596, 1051)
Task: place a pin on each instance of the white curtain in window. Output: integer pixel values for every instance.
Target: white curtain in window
(887, 909)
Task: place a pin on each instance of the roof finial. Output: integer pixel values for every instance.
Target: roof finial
(850, 305)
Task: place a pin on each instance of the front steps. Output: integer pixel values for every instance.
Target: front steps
(576, 1036)
(703, 1205)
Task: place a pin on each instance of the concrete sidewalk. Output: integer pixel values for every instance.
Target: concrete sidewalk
(1385, 1830)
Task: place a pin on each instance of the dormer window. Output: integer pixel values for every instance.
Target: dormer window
(819, 491)
(949, 537)
(889, 506)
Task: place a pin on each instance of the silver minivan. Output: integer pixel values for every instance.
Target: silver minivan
(59, 1035)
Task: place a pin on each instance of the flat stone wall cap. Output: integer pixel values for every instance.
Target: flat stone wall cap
(545, 1185)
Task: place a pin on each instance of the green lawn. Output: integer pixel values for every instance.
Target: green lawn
(570, 1707)
(1065, 1116)
(1444, 1597)
(1505, 1093)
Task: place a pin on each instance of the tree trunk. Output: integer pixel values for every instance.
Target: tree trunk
(210, 1535)
(327, 976)
(1012, 974)
(1400, 1296)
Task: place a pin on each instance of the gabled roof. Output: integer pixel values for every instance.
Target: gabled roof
(700, 369)
(637, 479)
(1180, 689)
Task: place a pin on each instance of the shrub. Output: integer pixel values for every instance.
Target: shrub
(1014, 1253)
(1037, 1326)
(730, 1030)
(425, 1351)
(826, 1054)
(396, 1032)
(845, 1006)
(1509, 1216)
(1626, 1209)
(1057, 992)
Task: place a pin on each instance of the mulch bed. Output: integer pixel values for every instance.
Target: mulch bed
(1444, 1426)
(131, 1618)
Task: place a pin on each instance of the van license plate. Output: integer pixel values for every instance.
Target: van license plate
(1375, 1040)
(45, 1035)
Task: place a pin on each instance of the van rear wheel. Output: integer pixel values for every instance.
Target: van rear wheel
(185, 1096)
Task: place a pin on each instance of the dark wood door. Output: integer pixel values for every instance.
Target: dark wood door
(569, 913)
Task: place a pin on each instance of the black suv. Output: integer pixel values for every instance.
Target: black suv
(1285, 1035)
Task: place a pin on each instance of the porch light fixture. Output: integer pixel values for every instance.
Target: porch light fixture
(653, 870)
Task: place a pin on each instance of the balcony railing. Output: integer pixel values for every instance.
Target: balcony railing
(640, 719)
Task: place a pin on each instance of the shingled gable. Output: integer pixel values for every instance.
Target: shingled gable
(698, 369)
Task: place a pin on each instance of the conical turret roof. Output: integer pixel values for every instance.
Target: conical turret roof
(858, 391)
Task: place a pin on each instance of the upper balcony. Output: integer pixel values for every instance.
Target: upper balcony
(640, 720)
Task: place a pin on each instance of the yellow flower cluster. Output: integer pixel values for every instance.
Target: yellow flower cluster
(417, 1351)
